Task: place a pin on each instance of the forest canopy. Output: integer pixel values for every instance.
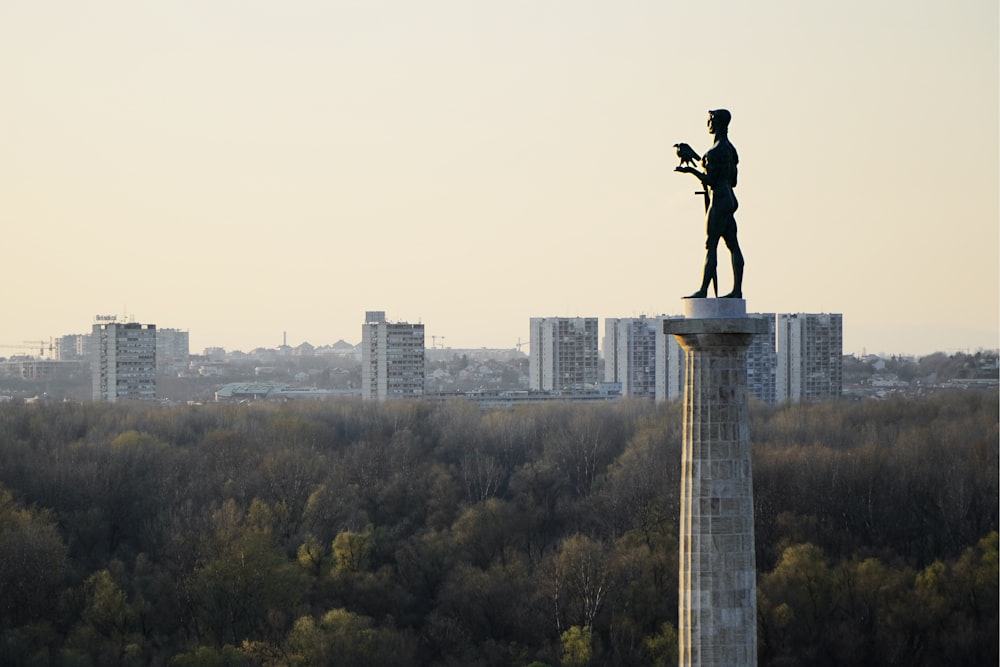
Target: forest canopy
(433, 533)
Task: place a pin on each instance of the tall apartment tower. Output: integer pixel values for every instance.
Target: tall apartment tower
(647, 362)
(669, 364)
(564, 354)
(630, 354)
(810, 356)
(762, 361)
(123, 363)
(172, 350)
(392, 358)
(72, 347)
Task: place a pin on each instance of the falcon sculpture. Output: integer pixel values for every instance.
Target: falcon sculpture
(686, 154)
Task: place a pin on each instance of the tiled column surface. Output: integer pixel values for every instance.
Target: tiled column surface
(717, 594)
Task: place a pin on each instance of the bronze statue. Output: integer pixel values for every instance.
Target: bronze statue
(718, 181)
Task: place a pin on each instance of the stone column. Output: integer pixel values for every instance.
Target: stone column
(717, 587)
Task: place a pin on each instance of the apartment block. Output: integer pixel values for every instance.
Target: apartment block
(173, 350)
(123, 362)
(809, 348)
(72, 347)
(392, 358)
(564, 353)
(645, 361)
(669, 364)
(762, 361)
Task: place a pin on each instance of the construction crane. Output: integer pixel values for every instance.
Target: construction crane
(39, 345)
(25, 348)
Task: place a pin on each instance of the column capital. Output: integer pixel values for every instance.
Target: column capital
(715, 325)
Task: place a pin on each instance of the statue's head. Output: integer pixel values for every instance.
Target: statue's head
(718, 121)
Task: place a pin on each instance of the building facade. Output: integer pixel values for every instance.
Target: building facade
(123, 363)
(392, 358)
(72, 347)
(669, 363)
(762, 361)
(173, 350)
(564, 353)
(630, 355)
(37, 370)
(809, 348)
(647, 362)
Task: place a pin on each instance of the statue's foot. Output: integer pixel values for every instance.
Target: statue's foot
(734, 295)
(700, 294)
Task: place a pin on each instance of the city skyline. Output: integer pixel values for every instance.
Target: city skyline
(245, 173)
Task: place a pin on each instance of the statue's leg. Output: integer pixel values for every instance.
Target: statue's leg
(737, 258)
(711, 266)
(709, 272)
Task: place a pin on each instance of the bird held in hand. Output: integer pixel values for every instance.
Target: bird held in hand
(686, 154)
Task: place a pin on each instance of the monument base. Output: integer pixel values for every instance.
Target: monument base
(714, 308)
(714, 316)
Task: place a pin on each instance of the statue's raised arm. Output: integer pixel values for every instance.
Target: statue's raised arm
(718, 179)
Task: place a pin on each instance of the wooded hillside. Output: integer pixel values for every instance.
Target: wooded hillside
(350, 533)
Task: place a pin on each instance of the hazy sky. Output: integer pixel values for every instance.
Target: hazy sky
(246, 168)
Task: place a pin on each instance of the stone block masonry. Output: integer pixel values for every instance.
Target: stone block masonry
(717, 589)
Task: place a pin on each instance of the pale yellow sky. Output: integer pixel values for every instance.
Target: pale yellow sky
(244, 169)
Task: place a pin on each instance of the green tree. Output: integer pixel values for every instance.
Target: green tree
(206, 656)
(32, 560)
(338, 638)
(644, 566)
(311, 555)
(661, 649)
(352, 550)
(580, 581)
(106, 630)
(245, 586)
(796, 605)
(487, 531)
(577, 647)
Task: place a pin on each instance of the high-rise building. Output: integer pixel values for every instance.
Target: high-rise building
(123, 363)
(762, 361)
(809, 348)
(172, 350)
(669, 363)
(638, 355)
(630, 355)
(72, 347)
(392, 358)
(564, 353)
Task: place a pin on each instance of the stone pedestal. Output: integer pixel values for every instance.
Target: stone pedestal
(717, 589)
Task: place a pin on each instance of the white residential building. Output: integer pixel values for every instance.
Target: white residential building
(564, 353)
(669, 364)
(72, 347)
(123, 363)
(762, 361)
(647, 362)
(392, 358)
(809, 348)
(172, 350)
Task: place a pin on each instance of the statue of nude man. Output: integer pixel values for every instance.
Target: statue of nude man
(719, 179)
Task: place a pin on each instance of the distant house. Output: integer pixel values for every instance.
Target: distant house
(303, 350)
